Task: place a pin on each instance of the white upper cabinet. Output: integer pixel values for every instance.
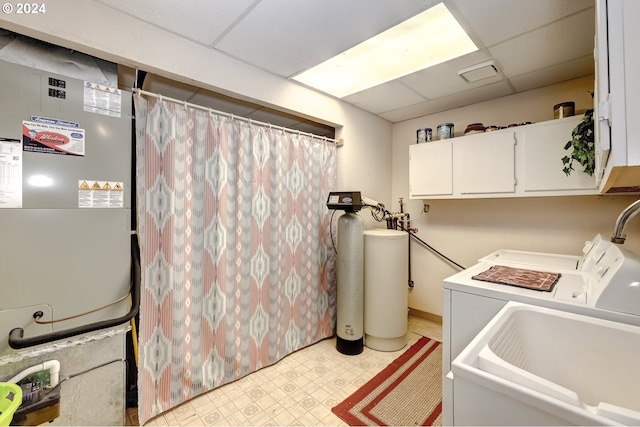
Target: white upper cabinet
(524, 161)
(543, 150)
(485, 163)
(617, 95)
(431, 170)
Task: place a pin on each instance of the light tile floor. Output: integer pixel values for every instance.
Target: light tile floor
(300, 389)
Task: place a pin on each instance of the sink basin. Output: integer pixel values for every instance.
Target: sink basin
(565, 368)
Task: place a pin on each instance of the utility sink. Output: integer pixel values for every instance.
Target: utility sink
(560, 367)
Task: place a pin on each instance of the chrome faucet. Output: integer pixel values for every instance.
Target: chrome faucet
(629, 212)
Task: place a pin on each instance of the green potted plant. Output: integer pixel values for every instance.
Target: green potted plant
(582, 145)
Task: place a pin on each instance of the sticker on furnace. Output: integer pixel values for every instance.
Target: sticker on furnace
(52, 139)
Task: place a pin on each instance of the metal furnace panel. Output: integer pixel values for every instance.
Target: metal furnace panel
(25, 93)
(63, 246)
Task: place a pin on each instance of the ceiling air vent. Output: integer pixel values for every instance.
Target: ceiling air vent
(479, 71)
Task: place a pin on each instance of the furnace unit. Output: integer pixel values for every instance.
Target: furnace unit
(65, 228)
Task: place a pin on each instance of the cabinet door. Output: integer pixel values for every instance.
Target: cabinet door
(632, 83)
(543, 152)
(619, 34)
(602, 117)
(484, 163)
(430, 169)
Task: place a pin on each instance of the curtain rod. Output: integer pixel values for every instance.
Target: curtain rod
(337, 142)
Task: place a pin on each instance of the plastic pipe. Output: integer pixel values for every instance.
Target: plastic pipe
(53, 366)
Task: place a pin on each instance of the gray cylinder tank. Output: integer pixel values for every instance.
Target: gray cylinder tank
(386, 291)
(350, 285)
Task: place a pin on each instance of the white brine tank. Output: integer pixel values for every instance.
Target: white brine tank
(385, 289)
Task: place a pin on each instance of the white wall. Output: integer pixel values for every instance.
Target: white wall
(364, 161)
(466, 230)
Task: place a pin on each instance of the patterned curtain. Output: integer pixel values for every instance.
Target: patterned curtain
(237, 263)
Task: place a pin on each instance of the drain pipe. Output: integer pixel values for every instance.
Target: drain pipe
(406, 226)
(410, 282)
(621, 223)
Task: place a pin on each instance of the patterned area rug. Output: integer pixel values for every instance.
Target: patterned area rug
(407, 392)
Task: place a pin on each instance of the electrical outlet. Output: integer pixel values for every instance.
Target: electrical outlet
(425, 208)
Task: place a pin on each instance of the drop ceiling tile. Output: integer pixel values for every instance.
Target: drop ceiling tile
(555, 74)
(547, 46)
(443, 79)
(384, 97)
(474, 96)
(461, 99)
(407, 113)
(497, 20)
(199, 20)
(286, 37)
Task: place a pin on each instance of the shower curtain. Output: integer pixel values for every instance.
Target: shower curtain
(238, 268)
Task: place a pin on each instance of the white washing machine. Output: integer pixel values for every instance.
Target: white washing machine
(604, 282)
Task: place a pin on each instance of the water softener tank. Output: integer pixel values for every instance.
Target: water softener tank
(385, 289)
(350, 285)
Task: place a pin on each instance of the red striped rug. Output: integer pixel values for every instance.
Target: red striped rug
(407, 392)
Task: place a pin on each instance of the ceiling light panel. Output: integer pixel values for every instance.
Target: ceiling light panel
(429, 38)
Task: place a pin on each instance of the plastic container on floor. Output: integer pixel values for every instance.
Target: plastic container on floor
(10, 400)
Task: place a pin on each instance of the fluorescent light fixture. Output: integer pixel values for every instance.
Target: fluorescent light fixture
(429, 38)
(479, 71)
